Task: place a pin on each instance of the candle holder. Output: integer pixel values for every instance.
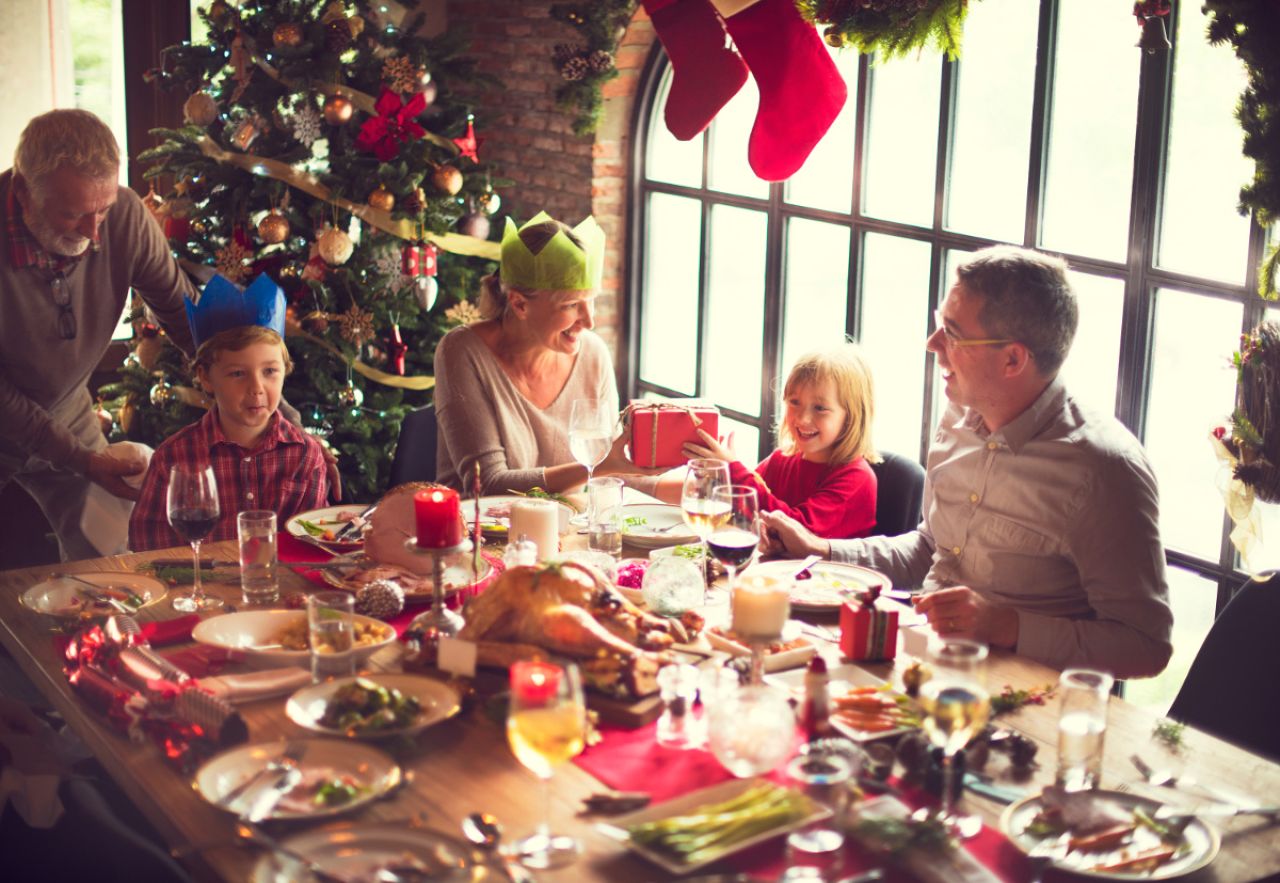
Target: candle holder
(759, 647)
(439, 621)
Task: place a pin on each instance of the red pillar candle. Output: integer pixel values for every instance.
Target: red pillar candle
(438, 518)
(535, 683)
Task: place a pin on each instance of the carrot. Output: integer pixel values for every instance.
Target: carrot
(872, 702)
(1143, 861)
(1103, 839)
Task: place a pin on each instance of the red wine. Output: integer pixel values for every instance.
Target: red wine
(733, 546)
(193, 524)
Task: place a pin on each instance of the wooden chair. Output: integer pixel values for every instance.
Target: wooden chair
(899, 492)
(415, 457)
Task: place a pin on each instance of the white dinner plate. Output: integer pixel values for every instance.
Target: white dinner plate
(328, 518)
(60, 596)
(437, 701)
(356, 851)
(352, 571)
(1200, 842)
(495, 515)
(829, 586)
(654, 525)
(250, 629)
(373, 771)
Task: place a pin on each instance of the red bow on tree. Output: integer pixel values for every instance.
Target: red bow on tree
(383, 134)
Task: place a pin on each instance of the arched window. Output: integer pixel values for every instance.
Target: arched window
(1053, 131)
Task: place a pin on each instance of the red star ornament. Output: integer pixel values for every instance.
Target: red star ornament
(468, 144)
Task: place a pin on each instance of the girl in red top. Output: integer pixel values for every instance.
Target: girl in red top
(820, 474)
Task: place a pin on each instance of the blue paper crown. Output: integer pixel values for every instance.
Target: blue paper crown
(224, 305)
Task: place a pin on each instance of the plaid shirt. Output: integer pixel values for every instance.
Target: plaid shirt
(24, 250)
(286, 473)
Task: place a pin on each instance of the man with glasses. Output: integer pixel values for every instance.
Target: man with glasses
(1041, 521)
(73, 244)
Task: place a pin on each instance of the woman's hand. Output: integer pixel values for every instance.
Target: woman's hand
(618, 463)
(711, 447)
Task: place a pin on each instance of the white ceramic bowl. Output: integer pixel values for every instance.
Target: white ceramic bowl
(257, 628)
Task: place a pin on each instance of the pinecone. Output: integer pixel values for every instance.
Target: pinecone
(337, 35)
(600, 62)
(565, 51)
(381, 599)
(574, 69)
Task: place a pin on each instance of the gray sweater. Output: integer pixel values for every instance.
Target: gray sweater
(483, 417)
(42, 375)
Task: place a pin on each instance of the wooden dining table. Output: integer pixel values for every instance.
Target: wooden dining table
(464, 764)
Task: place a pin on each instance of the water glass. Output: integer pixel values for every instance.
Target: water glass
(751, 730)
(1082, 727)
(604, 505)
(256, 532)
(331, 632)
(671, 585)
(678, 686)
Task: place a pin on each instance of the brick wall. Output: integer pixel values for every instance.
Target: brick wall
(532, 142)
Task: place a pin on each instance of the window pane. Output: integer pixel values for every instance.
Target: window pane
(669, 320)
(902, 143)
(1193, 599)
(816, 296)
(826, 179)
(987, 190)
(895, 323)
(1091, 366)
(728, 171)
(1201, 233)
(1091, 129)
(746, 440)
(1192, 385)
(669, 160)
(735, 350)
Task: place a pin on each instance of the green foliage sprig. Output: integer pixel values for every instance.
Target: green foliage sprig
(889, 28)
(588, 65)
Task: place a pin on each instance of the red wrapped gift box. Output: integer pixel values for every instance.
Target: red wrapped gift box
(868, 631)
(659, 430)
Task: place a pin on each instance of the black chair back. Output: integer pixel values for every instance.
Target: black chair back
(415, 457)
(899, 493)
(1229, 685)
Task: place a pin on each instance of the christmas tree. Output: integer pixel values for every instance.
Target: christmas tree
(321, 146)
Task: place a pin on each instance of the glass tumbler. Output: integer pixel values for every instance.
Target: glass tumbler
(1082, 727)
(256, 534)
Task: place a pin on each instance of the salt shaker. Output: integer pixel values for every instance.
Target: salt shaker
(679, 687)
(520, 552)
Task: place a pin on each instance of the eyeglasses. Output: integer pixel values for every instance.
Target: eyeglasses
(955, 340)
(62, 300)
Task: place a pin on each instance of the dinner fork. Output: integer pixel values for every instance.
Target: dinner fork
(289, 758)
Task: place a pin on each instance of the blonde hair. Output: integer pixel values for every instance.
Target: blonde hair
(236, 339)
(494, 293)
(850, 375)
(66, 138)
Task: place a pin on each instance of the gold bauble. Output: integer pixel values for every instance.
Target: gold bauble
(447, 179)
(338, 109)
(200, 109)
(161, 394)
(287, 35)
(335, 246)
(274, 228)
(382, 198)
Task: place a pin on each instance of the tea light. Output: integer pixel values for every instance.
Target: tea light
(535, 682)
(760, 608)
(438, 518)
(539, 520)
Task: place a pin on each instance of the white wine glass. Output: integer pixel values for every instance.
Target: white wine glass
(546, 726)
(956, 705)
(591, 423)
(702, 512)
(734, 539)
(193, 514)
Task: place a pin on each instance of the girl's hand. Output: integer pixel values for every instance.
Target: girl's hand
(711, 448)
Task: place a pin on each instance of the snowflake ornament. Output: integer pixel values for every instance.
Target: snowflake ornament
(400, 73)
(231, 261)
(464, 312)
(306, 124)
(388, 267)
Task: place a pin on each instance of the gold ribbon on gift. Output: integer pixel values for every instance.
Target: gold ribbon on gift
(1238, 497)
(653, 435)
(455, 243)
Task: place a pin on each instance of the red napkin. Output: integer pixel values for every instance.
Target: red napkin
(170, 631)
(202, 660)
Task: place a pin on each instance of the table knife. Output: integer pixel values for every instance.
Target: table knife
(362, 520)
(205, 563)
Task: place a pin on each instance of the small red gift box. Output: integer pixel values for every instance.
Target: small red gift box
(659, 430)
(418, 260)
(868, 631)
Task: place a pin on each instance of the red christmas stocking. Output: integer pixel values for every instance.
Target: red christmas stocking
(707, 72)
(801, 91)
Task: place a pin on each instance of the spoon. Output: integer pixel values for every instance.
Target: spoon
(484, 831)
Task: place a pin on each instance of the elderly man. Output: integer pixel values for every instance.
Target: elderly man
(73, 244)
(1040, 530)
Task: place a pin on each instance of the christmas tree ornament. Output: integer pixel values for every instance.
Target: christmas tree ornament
(400, 74)
(468, 144)
(396, 350)
(176, 226)
(316, 323)
(447, 179)
(306, 123)
(200, 109)
(154, 205)
(356, 325)
(220, 13)
(287, 35)
(381, 599)
(199, 227)
(246, 132)
(349, 396)
(231, 261)
(337, 36)
(419, 259)
(490, 201)
(426, 87)
(392, 125)
(416, 201)
(425, 290)
(292, 321)
(335, 246)
(464, 312)
(274, 228)
(338, 109)
(148, 349)
(127, 413)
(161, 394)
(475, 224)
(382, 199)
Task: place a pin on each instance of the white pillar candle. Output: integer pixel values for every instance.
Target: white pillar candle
(760, 608)
(539, 520)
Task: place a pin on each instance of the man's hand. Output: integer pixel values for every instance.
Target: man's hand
(784, 532)
(960, 612)
(109, 472)
(711, 447)
(331, 471)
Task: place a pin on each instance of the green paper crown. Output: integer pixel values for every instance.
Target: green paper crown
(561, 265)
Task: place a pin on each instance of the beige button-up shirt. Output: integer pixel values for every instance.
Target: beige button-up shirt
(1055, 515)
